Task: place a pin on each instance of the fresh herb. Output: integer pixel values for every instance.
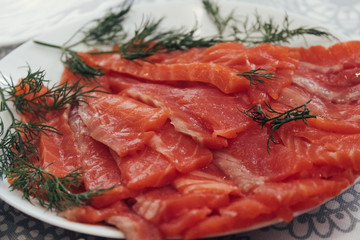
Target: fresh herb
(78, 66)
(31, 96)
(149, 40)
(108, 30)
(213, 11)
(19, 140)
(71, 59)
(256, 75)
(146, 40)
(50, 190)
(258, 30)
(277, 119)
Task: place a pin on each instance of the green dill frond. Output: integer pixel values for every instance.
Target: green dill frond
(269, 31)
(277, 119)
(213, 11)
(32, 95)
(51, 191)
(148, 40)
(108, 29)
(256, 75)
(78, 66)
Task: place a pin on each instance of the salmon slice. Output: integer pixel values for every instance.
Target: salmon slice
(58, 153)
(237, 172)
(121, 123)
(146, 168)
(176, 227)
(162, 204)
(119, 215)
(341, 86)
(216, 65)
(330, 116)
(255, 164)
(222, 77)
(205, 113)
(100, 169)
(268, 202)
(118, 82)
(201, 181)
(287, 197)
(240, 213)
(324, 149)
(183, 152)
(168, 208)
(279, 60)
(333, 57)
(330, 73)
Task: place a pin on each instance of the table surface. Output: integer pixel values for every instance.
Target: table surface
(337, 219)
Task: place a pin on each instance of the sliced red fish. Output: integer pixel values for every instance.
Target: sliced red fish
(58, 153)
(330, 116)
(239, 214)
(100, 169)
(146, 168)
(224, 78)
(167, 208)
(248, 154)
(269, 201)
(183, 152)
(121, 123)
(203, 181)
(331, 73)
(119, 215)
(202, 112)
(323, 149)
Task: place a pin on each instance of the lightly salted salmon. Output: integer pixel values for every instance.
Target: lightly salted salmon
(203, 68)
(129, 124)
(58, 153)
(217, 75)
(206, 114)
(150, 108)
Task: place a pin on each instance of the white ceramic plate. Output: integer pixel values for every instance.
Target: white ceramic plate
(177, 13)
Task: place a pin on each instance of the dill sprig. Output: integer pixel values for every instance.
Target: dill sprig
(258, 30)
(268, 31)
(256, 75)
(106, 30)
(148, 40)
(19, 141)
(213, 11)
(71, 59)
(78, 66)
(31, 95)
(51, 191)
(277, 119)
